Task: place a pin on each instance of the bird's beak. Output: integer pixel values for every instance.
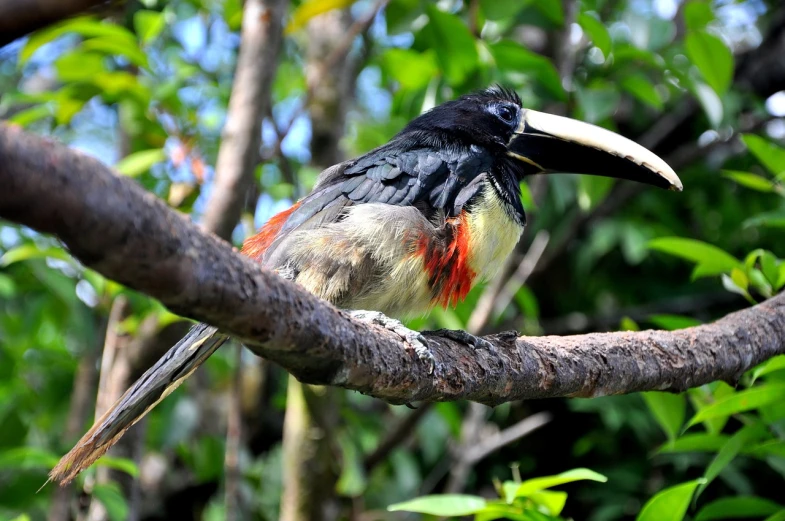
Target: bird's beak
(548, 143)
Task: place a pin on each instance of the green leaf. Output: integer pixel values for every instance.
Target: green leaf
(743, 437)
(673, 322)
(552, 501)
(741, 401)
(441, 505)
(140, 162)
(711, 259)
(711, 103)
(502, 9)
(535, 485)
(112, 46)
(413, 70)
(79, 66)
(770, 155)
(122, 464)
(553, 11)
(775, 364)
(737, 507)
(769, 265)
(779, 516)
(454, 44)
(592, 190)
(775, 219)
(712, 57)
(668, 409)
(7, 286)
(112, 499)
(32, 251)
(311, 9)
(31, 115)
(697, 14)
(85, 26)
(352, 480)
(27, 458)
(513, 57)
(670, 504)
(148, 24)
(643, 89)
(749, 180)
(699, 442)
(596, 32)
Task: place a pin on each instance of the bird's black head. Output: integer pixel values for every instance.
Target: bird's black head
(525, 142)
(487, 118)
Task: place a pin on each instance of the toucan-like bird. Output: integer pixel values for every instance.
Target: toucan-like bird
(413, 224)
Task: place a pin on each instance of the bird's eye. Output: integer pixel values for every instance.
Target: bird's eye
(506, 113)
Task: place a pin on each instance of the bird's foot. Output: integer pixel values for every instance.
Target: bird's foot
(413, 338)
(465, 338)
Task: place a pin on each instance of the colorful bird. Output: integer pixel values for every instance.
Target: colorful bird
(413, 224)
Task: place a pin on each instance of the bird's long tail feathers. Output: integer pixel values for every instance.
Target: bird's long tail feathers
(160, 380)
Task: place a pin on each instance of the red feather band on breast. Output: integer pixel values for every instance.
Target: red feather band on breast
(447, 263)
(255, 246)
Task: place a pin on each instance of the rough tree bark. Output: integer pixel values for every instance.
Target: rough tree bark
(115, 227)
(260, 43)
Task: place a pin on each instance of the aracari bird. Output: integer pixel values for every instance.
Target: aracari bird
(413, 224)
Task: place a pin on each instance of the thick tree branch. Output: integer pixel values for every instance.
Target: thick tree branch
(19, 17)
(116, 228)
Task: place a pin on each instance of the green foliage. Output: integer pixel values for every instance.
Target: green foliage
(670, 504)
(528, 500)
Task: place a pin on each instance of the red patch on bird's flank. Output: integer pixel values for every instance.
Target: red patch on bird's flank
(255, 246)
(450, 275)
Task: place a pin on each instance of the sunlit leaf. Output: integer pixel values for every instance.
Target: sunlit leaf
(84, 26)
(769, 366)
(741, 401)
(552, 500)
(749, 180)
(502, 9)
(770, 155)
(711, 259)
(596, 32)
(413, 70)
(122, 464)
(148, 24)
(779, 516)
(534, 485)
(140, 162)
(670, 504)
(712, 57)
(669, 410)
(738, 507)
(673, 322)
(311, 9)
(441, 505)
(31, 251)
